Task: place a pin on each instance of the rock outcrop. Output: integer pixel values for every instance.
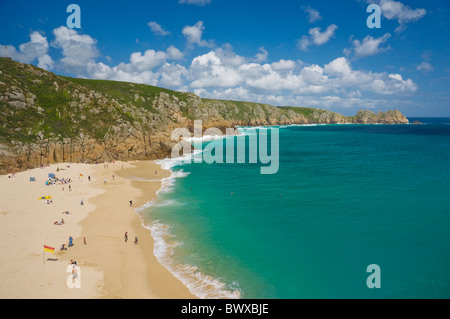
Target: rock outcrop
(45, 118)
(389, 117)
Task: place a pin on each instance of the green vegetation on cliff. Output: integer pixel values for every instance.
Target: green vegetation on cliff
(49, 118)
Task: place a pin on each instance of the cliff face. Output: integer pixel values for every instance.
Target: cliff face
(45, 118)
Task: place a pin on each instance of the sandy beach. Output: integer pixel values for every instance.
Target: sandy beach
(109, 266)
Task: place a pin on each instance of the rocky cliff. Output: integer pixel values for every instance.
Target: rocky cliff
(45, 118)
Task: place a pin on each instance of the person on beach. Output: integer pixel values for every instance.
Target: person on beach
(126, 236)
(74, 273)
(70, 241)
(131, 203)
(135, 240)
(82, 201)
(84, 240)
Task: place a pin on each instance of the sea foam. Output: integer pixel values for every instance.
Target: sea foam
(199, 284)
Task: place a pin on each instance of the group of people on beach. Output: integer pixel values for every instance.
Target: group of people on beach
(59, 222)
(61, 181)
(135, 238)
(63, 246)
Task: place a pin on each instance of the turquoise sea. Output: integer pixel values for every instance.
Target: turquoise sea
(344, 197)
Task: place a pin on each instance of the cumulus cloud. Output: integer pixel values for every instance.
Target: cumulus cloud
(317, 37)
(395, 10)
(368, 46)
(228, 57)
(313, 14)
(194, 35)
(208, 71)
(344, 77)
(78, 50)
(172, 75)
(213, 72)
(35, 49)
(45, 62)
(283, 65)
(157, 29)
(174, 53)
(222, 73)
(150, 67)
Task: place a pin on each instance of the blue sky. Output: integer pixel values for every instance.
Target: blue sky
(301, 53)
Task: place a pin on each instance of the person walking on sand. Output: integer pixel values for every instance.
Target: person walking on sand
(131, 203)
(82, 202)
(135, 240)
(84, 240)
(126, 236)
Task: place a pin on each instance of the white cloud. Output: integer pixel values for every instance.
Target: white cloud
(381, 83)
(283, 65)
(425, 66)
(261, 56)
(317, 37)
(172, 75)
(196, 2)
(45, 62)
(208, 71)
(122, 72)
(222, 73)
(148, 60)
(339, 66)
(369, 46)
(157, 28)
(174, 54)
(194, 35)
(35, 49)
(313, 14)
(320, 38)
(228, 57)
(398, 11)
(313, 75)
(78, 50)
(395, 10)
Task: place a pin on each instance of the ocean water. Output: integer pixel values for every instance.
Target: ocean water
(344, 197)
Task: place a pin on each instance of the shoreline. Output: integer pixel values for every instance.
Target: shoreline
(110, 268)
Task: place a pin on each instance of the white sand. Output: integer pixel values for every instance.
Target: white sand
(110, 268)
